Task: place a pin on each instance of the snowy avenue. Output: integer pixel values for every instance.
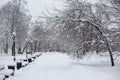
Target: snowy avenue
(59, 39)
(58, 66)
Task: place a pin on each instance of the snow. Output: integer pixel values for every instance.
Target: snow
(59, 66)
(1, 77)
(6, 72)
(6, 59)
(2, 67)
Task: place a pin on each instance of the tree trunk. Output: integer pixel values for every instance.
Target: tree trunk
(107, 42)
(6, 48)
(39, 46)
(77, 54)
(110, 52)
(83, 44)
(13, 49)
(35, 46)
(97, 45)
(19, 50)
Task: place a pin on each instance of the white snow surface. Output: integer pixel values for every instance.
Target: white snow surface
(59, 66)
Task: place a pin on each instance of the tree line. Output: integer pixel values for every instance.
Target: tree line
(82, 27)
(14, 26)
(79, 28)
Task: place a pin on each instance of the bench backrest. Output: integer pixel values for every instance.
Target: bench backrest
(11, 67)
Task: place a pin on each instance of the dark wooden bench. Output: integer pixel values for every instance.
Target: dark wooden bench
(34, 57)
(30, 60)
(12, 67)
(19, 65)
(22, 63)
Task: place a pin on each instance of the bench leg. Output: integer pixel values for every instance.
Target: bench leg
(13, 73)
(6, 76)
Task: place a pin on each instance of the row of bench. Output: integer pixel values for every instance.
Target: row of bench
(25, 62)
(10, 70)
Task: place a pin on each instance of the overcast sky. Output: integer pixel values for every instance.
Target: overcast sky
(39, 7)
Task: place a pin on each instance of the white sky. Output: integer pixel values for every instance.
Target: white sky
(39, 7)
(3, 2)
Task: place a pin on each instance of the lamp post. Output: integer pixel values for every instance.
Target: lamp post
(6, 45)
(13, 45)
(26, 48)
(31, 47)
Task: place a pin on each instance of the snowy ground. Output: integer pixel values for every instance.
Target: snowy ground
(58, 66)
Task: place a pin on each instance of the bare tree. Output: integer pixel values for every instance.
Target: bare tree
(16, 21)
(80, 15)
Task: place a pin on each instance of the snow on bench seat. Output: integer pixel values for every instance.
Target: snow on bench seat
(24, 64)
(2, 67)
(2, 77)
(6, 72)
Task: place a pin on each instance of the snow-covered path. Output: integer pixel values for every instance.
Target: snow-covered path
(58, 66)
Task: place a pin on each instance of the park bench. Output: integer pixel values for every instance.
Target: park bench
(2, 77)
(39, 54)
(1, 68)
(34, 57)
(25, 60)
(22, 63)
(19, 64)
(12, 67)
(5, 73)
(30, 60)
